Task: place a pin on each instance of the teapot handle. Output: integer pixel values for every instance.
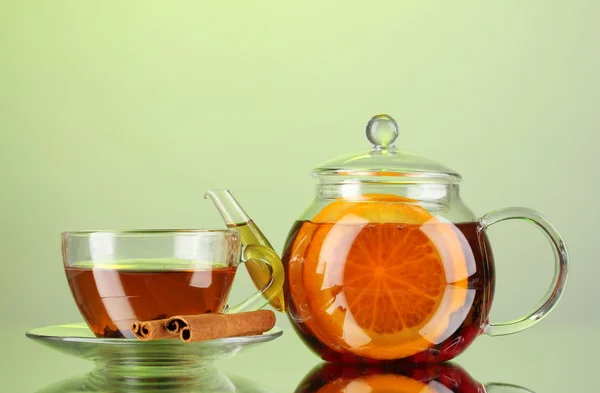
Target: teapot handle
(561, 263)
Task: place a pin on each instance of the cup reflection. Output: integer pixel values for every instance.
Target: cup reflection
(432, 378)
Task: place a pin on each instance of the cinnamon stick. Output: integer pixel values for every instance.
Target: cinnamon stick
(202, 327)
(205, 327)
(151, 330)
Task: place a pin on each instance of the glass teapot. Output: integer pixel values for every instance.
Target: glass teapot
(389, 263)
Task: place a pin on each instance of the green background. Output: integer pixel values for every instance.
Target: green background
(118, 115)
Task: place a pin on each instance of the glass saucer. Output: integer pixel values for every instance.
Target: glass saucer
(122, 358)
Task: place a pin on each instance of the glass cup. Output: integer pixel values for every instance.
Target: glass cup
(118, 277)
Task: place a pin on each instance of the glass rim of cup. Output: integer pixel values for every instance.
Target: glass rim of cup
(149, 232)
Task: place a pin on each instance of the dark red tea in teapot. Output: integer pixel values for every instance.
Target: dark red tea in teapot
(387, 281)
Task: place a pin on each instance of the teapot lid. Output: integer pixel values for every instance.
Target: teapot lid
(385, 160)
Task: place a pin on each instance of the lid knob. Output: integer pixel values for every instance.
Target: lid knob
(382, 131)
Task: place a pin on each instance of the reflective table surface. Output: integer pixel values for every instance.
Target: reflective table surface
(544, 359)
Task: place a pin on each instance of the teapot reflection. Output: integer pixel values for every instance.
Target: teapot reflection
(433, 378)
(212, 381)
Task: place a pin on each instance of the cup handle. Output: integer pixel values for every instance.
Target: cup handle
(561, 263)
(273, 287)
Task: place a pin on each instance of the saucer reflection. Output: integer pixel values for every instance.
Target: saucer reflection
(434, 378)
(213, 382)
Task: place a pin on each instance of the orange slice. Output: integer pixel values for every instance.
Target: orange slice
(296, 261)
(378, 383)
(369, 278)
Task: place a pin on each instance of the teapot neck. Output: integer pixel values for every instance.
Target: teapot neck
(425, 192)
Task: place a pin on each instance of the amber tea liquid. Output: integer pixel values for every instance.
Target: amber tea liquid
(111, 298)
(386, 279)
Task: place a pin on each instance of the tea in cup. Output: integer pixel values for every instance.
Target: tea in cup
(117, 278)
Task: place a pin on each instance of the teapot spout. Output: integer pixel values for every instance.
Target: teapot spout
(230, 209)
(235, 217)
